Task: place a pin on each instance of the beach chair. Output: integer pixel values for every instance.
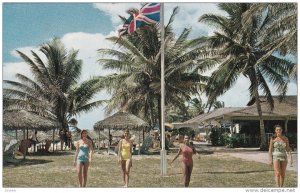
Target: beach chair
(24, 145)
(45, 147)
(9, 152)
(146, 145)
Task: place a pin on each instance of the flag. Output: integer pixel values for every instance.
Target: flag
(148, 14)
(124, 29)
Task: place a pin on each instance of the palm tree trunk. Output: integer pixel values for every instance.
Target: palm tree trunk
(263, 143)
(152, 121)
(254, 81)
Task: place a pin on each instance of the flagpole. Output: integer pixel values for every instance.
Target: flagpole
(162, 84)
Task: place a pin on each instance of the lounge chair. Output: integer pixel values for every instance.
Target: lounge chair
(9, 152)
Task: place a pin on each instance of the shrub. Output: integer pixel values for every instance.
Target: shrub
(234, 140)
(217, 137)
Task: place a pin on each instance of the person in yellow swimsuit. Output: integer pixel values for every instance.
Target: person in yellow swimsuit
(125, 156)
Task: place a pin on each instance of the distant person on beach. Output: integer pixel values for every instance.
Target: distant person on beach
(125, 156)
(34, 140)
(187, 149)
(83, 157)
(278, 149)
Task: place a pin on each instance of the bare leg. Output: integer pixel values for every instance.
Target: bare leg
(79, 172)
(185, 174)
(277, 170)
(85, 173)
(61, 145)
(128, 166)
(123, 165)
(189, 173)
(283, 165)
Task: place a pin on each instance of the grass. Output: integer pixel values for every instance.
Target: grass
(56, 170)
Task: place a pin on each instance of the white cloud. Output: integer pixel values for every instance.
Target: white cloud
(9, 70)
(88, 44)
(238, 95)
(26, 50)
(115, 9)
(188, 16)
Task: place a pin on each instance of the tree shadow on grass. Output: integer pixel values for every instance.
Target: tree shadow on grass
(26, 162)
(236, 172)
(56, 153)
(224, 172)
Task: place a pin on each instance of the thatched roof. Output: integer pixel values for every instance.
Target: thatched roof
(121, 120)
(204, 118)
(282, 110)
(26, 120)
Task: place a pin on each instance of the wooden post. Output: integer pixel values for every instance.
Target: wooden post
(143, 134)
(16, 134)
(24, 153)
(53, 138)
(139, 142)
(108, 140)
(286, 125)
(99, 141)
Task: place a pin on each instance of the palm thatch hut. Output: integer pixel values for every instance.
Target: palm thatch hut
(121, 121)
(24, 120)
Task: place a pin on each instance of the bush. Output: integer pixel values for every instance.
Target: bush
(217, 137)
(234, 141)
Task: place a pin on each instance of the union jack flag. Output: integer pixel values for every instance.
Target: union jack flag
(148, 14)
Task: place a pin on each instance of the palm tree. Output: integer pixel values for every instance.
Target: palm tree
(54, 91)
(197, 107)
(136, 86)
(218, 104)
(242, 52)
(281, 31)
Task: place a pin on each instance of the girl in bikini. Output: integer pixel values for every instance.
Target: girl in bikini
(83, 157)
(125, 156)
(279, 146)
(187, 151)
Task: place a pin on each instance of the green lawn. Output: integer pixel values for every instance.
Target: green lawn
(209, 171)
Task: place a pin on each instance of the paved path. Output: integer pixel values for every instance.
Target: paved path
(249, 154)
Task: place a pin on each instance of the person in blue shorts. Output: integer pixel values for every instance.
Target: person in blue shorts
(83, 157)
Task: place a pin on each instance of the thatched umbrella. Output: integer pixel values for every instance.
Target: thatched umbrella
(23, 120)
(120, 121)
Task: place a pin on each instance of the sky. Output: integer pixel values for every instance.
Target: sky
(84, 26)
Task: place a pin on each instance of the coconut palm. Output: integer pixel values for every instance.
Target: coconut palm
(218, 104)
(281, 31)
(136, 86)
(197, 106)
(53, 91)
(242, 52)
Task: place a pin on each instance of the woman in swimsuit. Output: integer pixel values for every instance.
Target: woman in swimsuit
(187, 150)
(125, 156)
(83, 157)
(279, 146)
